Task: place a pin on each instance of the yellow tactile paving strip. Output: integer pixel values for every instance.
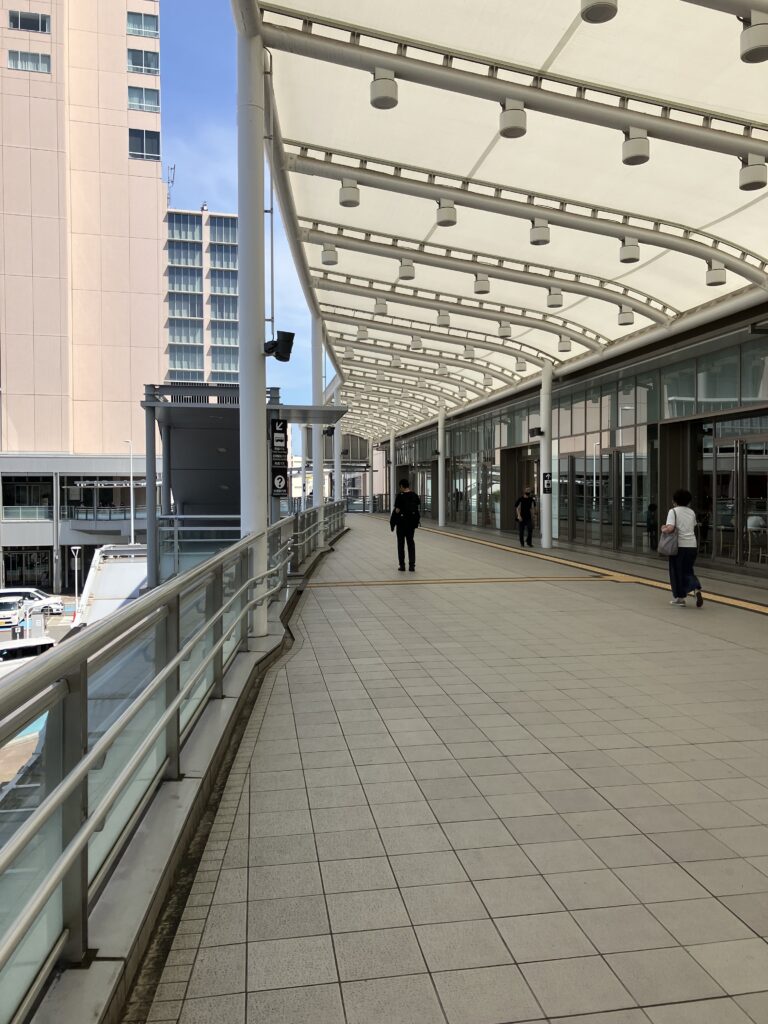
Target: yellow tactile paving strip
(615, 577)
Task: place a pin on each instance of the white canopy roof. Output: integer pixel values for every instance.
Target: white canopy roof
(662, 77)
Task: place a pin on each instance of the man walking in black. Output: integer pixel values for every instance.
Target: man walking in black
(524, 507)
(405, 518)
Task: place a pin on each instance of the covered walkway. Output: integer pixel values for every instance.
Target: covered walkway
(521, 792)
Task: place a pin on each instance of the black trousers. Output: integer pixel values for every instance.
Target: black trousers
(405, 536)
(682, 578)
(525, 526)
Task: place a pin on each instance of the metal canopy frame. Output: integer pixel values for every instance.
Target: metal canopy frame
(369, 165)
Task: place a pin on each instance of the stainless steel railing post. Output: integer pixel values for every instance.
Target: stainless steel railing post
(172, 685)
(74, 811)
(214, 599)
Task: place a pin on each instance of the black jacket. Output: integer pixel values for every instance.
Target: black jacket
(407, 511)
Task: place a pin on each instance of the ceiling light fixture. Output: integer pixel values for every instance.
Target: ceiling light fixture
(487, 380)
(505, 330)
(626, 316)
(636, 149)
(630, 250)
(469, 351)
(349, 193)
(416, 343)
(563, 343)
(520, 365)
(754, 38)
(443, 318)
(380, 307)
(513, 121)
(330, 255)
(554, 298)
(362, 334)
(406, 271)
(715, 273)
(482, 284)
(446, 213)
(383, 89)
(597, 12)
(753, 173)
(539, 231)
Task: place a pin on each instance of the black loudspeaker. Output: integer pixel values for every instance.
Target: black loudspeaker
(280, 347)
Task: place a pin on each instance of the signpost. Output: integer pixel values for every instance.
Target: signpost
(547, 483)
(278, 449)
(75, 549)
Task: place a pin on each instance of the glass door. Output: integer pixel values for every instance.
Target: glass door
(565, 503)
(741, 501)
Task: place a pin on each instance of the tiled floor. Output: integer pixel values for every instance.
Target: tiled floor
(486, 803)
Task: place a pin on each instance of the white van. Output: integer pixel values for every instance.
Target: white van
(13, 611)
(37, 600)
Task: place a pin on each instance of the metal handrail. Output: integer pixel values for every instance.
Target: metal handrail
(68, 856)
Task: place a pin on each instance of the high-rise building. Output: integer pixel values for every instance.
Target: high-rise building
(81, 262)
(201, 297)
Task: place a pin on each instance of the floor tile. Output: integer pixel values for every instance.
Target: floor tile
(464, 835)
(287, 918)
(663, 975)
(629, 851)
(218, 971)
(403, 1000)
(623, 929)
(728, 877)
(284, 963)
(350, 844)
(225, 924)
(380, 953)
(356, 874)
(508, 897)
(544, 937)
(427, 868)
(486, 995)
(460, 945)
(580, 890)
(214, 1010)
(415, 839)
(281, 850)
(739, 967)
(570, 855)
(455, 901)
(496, 862)
(709, 1011)
(694, 921)
(657, 882)
(581, 985)
(284, 880)
(315, 1004)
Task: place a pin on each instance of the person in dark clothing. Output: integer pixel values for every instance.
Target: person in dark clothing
(524, 507)
(405, 518)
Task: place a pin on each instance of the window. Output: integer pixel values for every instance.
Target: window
(193, 376)
(185, 357)
(718, 381)
(185, 332)
(143, 99)
(20, 60)
(223, 307)
(185, 279)
(223, 229)
(184, 305)
(144, 62)
(185, 254)
(185, 226)
(754, 371)
(223, 256)
(27, 21)
(224, 282)
(225, 359)
(678, 390)
(143, 145)
(224, 332)
(143, 24)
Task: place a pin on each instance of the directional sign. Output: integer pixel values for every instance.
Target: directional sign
(278, 441)
(279, 482)
(546, 483)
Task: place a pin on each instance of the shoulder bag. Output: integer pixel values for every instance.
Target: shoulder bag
(668, 544)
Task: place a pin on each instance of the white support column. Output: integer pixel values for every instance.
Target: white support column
(304, 461)
(392, 470)
(338, 488)
(370, 477)
(253, 371)
(441, 464)
(545, 456)
(317, 399)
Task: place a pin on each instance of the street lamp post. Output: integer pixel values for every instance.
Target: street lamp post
(133, 507)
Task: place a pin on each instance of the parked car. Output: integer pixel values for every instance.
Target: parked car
(13, 611)
(38, 600)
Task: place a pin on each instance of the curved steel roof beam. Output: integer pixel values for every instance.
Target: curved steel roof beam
(439, 388)
(556, 95)
(405, 326)
(464, 261)
(497, 372)
(552, 325)
(492, 198)
(395, 372)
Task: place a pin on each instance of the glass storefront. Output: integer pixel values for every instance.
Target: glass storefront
(621, 446)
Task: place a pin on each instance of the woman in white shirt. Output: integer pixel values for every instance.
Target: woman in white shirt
(681, 575)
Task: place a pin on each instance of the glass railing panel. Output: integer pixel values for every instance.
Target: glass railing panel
(112, 688)
(30, 767)
(192, 615)
(230, 585)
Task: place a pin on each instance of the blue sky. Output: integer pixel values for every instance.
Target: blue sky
(200, 138)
